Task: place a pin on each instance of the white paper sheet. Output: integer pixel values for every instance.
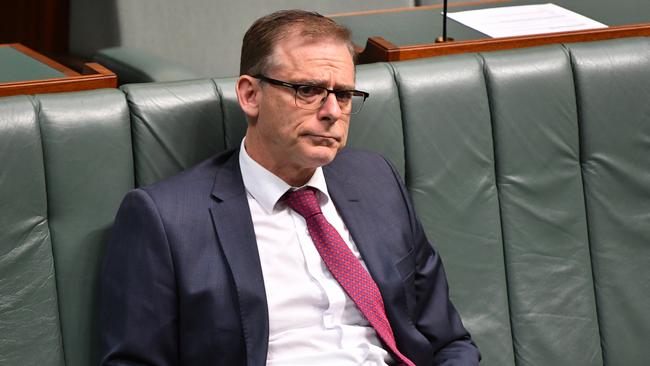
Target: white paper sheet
(524, 20)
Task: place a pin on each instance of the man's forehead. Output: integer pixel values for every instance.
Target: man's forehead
(313, 59)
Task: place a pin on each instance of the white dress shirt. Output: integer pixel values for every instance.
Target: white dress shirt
(312, 321)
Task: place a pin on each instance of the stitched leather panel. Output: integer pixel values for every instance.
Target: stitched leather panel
(29, 317)
(613, 91)
(552, 302)
(88, 169)
(175, 125)
(450, 175)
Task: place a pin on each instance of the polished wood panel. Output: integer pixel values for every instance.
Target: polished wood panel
(42, 25)
(379, 49)
(94, 76)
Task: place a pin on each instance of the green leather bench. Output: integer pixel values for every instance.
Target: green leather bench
(530, 170)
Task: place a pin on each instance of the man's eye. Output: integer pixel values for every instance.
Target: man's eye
(344, 96)
(309, 91)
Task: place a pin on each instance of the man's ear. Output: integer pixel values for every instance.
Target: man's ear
(249, 95)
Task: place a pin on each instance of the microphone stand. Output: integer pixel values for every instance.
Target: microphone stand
(444, 37)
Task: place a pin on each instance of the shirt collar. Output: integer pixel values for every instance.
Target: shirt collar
(267, 188)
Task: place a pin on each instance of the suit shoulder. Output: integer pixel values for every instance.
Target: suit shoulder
(197, 179)
(361, 162)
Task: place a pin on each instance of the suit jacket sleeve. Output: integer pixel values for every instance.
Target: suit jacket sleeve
(435, 316)
(138, 319)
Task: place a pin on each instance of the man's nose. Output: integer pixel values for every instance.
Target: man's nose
(330, 110)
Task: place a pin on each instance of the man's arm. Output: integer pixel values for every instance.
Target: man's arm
(435, 312)
(435, 315)
(138, 316)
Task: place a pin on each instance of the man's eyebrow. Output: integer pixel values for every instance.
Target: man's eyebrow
(344, 87)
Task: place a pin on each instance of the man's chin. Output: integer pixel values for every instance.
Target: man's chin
(322, 155)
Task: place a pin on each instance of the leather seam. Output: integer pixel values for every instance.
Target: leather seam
(38, 114)
(486, 78)
(581, 155)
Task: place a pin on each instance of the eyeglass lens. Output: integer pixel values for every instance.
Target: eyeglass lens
(313, 97)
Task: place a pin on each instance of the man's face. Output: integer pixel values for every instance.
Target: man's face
(296, 138)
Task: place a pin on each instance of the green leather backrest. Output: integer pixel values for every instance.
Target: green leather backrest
(450, 175)
(234, 120)
(88, 168)
(378, 127)
(613, 96)
(530, 172)
(543, 218)
(29, 318)
(66, 164)
(175, 125)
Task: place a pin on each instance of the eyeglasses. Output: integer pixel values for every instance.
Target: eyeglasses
(313, 97)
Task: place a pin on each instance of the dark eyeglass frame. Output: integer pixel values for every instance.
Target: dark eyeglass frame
(296, 87)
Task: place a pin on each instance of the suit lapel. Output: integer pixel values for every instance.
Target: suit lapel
(234, 227)
(356, 210)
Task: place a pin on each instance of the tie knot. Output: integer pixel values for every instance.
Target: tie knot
(303, 201)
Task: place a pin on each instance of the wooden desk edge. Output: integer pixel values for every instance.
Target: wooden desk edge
(380, 50)
(95, 76)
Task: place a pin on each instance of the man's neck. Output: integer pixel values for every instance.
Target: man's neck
(293, 176)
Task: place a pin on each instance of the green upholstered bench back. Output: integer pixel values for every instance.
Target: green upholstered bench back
(613, 97)
(529, 170)
(177, 124)
(65, 163)
(451, 178)
(29, 318)
(531, 174)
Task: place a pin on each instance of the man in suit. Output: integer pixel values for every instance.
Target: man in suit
(288, 250)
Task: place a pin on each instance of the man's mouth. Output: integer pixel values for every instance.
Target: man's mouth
(322, 137)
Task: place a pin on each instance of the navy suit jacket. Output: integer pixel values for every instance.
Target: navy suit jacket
(182, 282)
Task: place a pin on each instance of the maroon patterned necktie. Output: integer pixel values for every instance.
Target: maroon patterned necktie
(344, 266)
